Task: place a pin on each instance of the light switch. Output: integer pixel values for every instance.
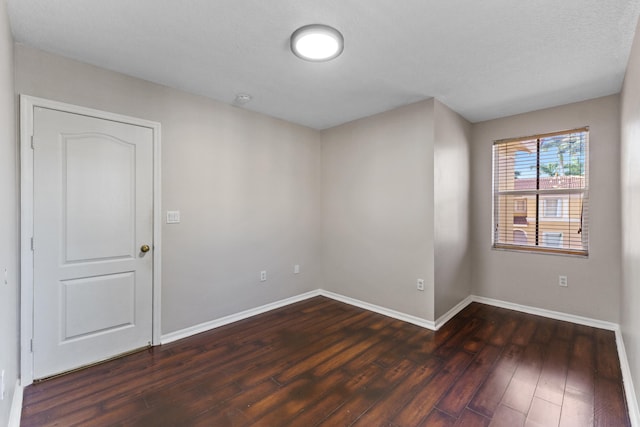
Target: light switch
(173, 217)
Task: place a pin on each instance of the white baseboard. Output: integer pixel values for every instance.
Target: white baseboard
(207, 326)
(203, 327)
(15, 413)
(629, 390)
(428, 324)
(381, 310)
(440, 321)
(586, 321)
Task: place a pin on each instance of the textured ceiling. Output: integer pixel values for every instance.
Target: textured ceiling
(485, 59)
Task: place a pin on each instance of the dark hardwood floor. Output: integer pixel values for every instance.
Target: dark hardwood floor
(321, 362)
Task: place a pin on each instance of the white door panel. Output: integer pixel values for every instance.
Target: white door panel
(98, 186)
(93, 210)
(94, 305)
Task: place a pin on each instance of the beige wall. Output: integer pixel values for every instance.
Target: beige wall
(532, 279)
(9, 215)
(377, 209)
(451, 208)
(630, 180)
(247, 187)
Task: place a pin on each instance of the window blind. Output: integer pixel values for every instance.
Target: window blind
(541, 193)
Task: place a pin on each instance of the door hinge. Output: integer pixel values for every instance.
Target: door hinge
(32, 146)
(32, 243)
(31, 345)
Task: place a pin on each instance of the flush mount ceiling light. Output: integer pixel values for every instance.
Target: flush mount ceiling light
(317, 42)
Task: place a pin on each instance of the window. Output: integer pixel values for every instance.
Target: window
(540, 188)
(520, 206)
(519, 237)
(552, 208)
(552, 239)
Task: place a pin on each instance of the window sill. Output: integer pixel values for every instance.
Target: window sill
(539, 250)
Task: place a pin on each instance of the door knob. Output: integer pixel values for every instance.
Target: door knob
(144, 248)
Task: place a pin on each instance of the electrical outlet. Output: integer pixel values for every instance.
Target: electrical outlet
(562, 281)
(296, 269)
(263, 275)
(420, 284)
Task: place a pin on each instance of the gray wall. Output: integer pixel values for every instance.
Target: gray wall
(9, 215)
(630, 180)
(377, 209)
(451, 201)
(247, 187)
(532, 279)
(395, 199)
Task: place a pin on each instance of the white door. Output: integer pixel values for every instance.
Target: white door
(93, 214)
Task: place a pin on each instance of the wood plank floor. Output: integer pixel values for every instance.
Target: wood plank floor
(321, 362)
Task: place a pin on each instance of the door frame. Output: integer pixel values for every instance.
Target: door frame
(27, 105)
